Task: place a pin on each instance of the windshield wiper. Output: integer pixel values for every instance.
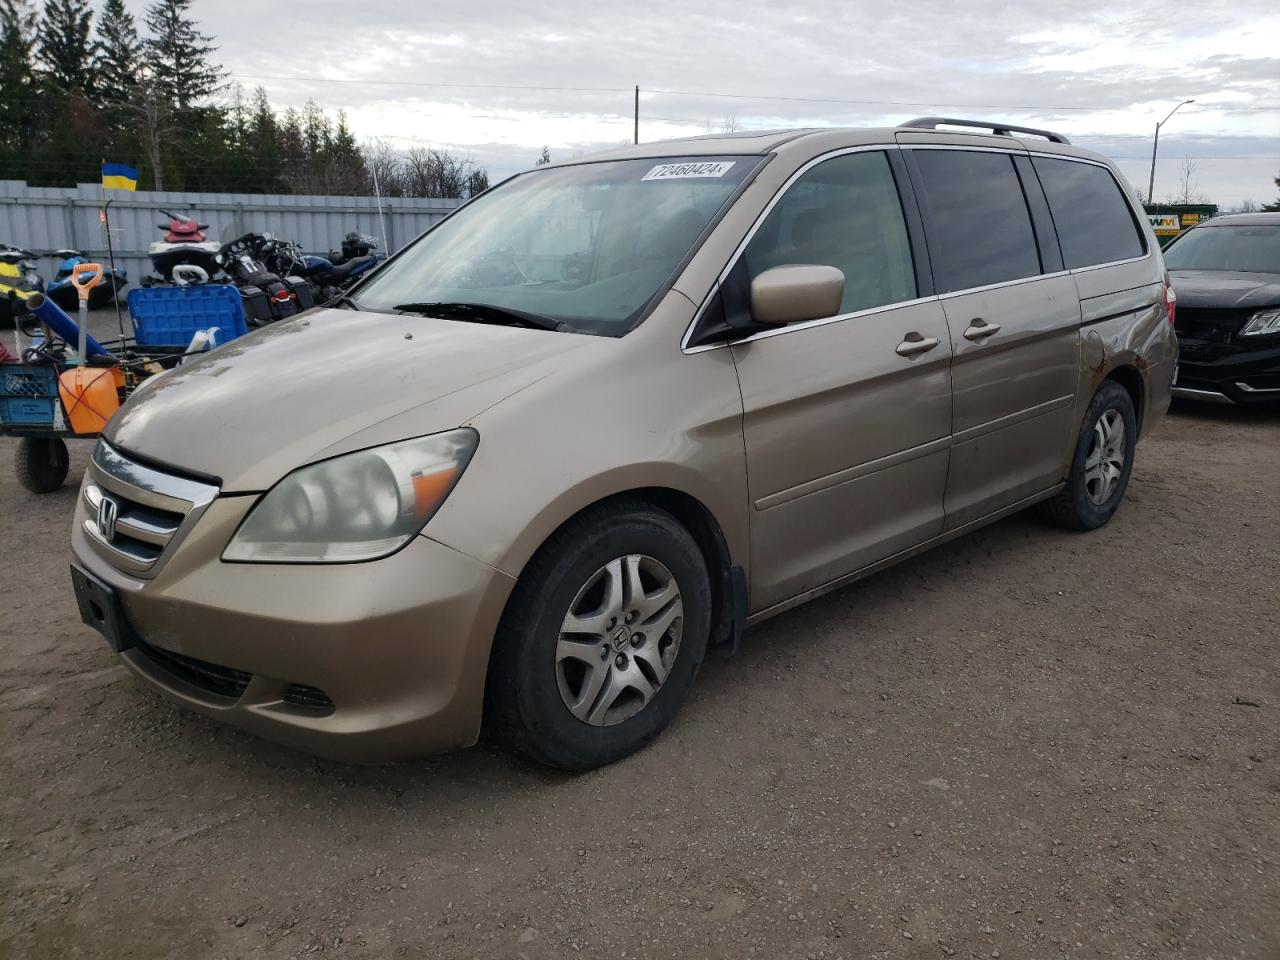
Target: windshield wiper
(483, 313)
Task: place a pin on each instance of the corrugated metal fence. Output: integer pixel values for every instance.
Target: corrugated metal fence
(44, 219)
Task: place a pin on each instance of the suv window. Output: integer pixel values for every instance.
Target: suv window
(845, 213)
(980, 230)
(1247, 247)
(1094, 221)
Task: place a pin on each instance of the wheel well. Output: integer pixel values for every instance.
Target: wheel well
(706, 532)
(1131, 380)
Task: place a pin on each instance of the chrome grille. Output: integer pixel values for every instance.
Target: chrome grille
(134, 513)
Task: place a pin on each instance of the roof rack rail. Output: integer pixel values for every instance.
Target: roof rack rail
(999, 129)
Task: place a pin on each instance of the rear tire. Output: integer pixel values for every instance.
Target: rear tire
(602, 638)
(1101, 465)
(41, 463)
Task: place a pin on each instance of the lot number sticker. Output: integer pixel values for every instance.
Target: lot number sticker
(688, 171)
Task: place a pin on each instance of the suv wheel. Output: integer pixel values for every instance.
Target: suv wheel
(1102, 463)
(601, 639)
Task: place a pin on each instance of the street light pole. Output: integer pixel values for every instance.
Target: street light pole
(1155, 145)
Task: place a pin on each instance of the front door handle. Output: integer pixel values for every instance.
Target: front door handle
(979, 329)
(914, 344)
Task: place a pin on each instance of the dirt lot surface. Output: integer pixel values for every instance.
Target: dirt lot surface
(1024, 744)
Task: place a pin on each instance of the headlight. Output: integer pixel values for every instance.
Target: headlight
(1268, 321)
(359, 506)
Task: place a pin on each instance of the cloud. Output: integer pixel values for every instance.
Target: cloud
(498, 78)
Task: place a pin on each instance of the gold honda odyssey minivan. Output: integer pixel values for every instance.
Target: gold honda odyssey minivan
(610, 413)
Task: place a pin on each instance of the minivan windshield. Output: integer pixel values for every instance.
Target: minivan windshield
(1247, 248)
(587, 245)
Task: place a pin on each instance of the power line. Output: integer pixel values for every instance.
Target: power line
(731, 96)
(931, 103)
(761, 124)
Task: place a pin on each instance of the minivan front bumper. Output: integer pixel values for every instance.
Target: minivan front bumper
(362, 662)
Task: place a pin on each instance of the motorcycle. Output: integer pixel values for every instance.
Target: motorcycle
(328, 276)
(267, 296)
(19, 279)
(355, 245)
(356, 258)
(184, 244)
(61, 291)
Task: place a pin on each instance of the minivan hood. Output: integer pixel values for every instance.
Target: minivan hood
(1225, 289)
(324, 383)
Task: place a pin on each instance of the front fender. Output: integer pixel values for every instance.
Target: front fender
(639, 418)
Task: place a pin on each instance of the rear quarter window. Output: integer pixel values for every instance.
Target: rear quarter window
(1093, 218)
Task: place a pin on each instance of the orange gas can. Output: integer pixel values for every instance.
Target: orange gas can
(89, 397)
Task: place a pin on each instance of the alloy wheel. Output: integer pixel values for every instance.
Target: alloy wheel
(1104, 464)
(619, 640)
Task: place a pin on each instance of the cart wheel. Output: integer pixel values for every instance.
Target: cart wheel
(41, 463)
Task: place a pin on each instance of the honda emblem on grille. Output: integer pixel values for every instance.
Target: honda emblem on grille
(107, 511)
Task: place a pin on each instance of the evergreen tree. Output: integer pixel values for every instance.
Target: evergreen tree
(317, 131)
(344, 144)
(348, 173)
(65, 51)
(264, 144)
(543, 159)
(293, 148)
(118, 63)
(180, 54)
(18, 117)
(237, 132)
(73, 92)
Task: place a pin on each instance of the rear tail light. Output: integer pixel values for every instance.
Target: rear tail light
(1170, 301)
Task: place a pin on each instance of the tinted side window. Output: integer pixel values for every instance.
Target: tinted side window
(1091, 214)
(980, 230)
(845, 213)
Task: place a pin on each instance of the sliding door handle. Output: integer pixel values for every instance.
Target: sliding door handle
(914, 344)
(979, 329)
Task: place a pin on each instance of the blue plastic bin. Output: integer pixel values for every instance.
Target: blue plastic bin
(171, 316)
(28, 394)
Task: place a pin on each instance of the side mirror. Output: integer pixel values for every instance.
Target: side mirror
(796, 292)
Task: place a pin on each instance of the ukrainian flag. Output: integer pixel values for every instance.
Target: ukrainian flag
(119, 176)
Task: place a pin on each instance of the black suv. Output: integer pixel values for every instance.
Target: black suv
(1226, 273)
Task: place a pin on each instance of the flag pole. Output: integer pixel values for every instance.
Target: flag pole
(382, 222)
(111, 257)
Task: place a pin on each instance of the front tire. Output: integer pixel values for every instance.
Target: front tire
(602, 638)
(1101, 465)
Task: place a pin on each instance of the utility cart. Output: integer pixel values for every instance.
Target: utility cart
(31, 410)
(67, 385)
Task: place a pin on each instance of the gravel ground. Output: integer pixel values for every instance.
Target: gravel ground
(1026, 743)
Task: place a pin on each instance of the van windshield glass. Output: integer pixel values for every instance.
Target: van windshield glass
(587, 245)
(1249, 249)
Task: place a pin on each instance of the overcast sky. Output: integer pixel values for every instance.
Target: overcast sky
(497, 79)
